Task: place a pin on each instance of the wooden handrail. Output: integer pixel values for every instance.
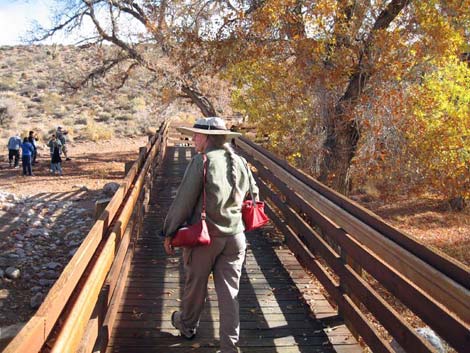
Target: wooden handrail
(444, 263)
(454, 294)
(437, 298)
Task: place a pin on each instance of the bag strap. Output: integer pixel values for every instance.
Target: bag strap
(204, 173)
(249, 181)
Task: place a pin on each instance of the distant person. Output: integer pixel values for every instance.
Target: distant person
(14, 145)
(32, 140)
(27, 151)
(60, 134)
(51, 144)
(55, 156)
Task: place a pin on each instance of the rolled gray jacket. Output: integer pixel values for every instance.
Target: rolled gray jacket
(223, 210)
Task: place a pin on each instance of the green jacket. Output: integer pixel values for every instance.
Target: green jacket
(223, 211)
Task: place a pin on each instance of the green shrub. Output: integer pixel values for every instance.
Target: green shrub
(81, 120)
(41, 85)
(10, 110)
(52, 102)
(138, 104)
(8, 83)
(124, 117)
(104, 117)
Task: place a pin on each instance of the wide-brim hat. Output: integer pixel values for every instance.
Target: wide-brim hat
(209, 126)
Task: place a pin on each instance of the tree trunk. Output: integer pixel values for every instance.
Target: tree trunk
(342, 136)
(202, 102)
(342, 131)
(457, 203)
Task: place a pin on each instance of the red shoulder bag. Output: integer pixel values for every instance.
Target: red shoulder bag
(195, 234)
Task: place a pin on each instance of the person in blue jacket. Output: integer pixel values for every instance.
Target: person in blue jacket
(27, 151)
(32, 140)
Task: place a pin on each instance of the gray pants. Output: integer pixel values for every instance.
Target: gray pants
(224, 257)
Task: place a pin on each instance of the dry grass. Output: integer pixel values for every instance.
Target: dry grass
(96, 132)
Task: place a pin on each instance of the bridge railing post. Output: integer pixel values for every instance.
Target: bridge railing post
(100, 206)
(128, 166)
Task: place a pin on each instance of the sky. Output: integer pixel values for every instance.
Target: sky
(16, 17)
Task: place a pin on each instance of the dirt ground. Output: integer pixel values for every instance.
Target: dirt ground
(93, 164)
(429, 219)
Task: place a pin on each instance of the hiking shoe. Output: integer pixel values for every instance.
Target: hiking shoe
(176, 322)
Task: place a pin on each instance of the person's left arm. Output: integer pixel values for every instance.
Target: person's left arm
(251, 181)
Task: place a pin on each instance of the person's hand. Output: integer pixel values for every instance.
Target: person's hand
(168, 248)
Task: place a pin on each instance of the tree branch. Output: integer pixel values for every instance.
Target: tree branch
(98, 72)
(200, 100)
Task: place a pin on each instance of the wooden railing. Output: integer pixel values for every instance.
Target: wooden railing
(355, 255)
(79, 311)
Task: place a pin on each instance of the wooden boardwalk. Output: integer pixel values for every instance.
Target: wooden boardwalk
(280, 309)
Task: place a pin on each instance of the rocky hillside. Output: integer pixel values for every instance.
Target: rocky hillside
(36, 94)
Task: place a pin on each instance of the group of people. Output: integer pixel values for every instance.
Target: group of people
(28, 147)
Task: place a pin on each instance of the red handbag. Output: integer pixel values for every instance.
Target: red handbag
(253, 214)
(253, 211)
(195, 234)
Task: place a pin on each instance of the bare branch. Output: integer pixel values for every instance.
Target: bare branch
(98, 72)
(126, 75)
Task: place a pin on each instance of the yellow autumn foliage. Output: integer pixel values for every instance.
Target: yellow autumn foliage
(439, 128)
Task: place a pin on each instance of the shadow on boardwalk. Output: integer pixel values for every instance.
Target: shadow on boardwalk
(274, 316)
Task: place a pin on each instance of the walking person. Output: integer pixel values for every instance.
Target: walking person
(227, 182)
(53, 142)
(60, 134)
(27, 151)
(32, 140)
(14, 145)
(55, 156)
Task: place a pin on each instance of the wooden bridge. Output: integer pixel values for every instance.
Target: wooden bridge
(321, 278)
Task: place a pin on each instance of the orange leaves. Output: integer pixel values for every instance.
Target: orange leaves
(290, 86)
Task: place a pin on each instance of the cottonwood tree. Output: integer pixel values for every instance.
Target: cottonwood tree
(342, 55)
(322, 61)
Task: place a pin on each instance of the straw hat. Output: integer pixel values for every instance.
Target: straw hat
(209, 126)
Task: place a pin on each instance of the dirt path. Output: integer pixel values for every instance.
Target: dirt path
(93, 164)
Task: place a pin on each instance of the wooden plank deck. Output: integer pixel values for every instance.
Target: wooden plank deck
(280, 310)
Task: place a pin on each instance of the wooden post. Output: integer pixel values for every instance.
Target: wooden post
(127, 167)
(100, 205)
(142, 152)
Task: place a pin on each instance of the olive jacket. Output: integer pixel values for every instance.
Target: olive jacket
(223, 211)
